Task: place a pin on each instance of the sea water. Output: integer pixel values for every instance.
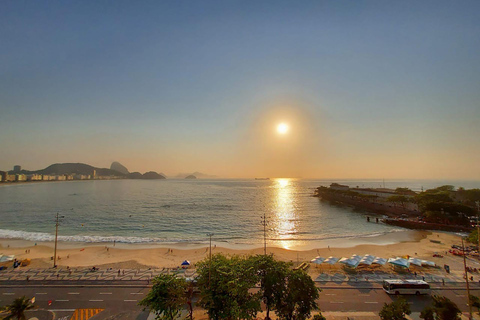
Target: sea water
(185, 211)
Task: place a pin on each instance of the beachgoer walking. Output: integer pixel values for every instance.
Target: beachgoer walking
(119, 272)
(423, 278)
(443, 281)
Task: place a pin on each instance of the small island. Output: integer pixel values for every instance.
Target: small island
(190, 177)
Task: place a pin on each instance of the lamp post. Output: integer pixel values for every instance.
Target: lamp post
(264, 223)
(478, 226)
(210, 258)
(468, 286)
(57, 221)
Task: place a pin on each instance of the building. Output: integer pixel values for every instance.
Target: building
(20, 177)
(17, 168)
(34, 177)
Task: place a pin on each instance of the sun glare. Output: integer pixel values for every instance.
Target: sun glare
(282, 128)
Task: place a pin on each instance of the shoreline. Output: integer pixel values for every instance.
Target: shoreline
(134, 257)
(401, 235)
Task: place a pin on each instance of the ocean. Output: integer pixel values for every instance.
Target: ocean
(185, 211)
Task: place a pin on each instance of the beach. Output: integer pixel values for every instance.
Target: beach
(132, 256)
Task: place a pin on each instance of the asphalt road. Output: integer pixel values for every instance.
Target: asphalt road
(63, 301)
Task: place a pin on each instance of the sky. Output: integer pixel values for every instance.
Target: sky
(368, 89)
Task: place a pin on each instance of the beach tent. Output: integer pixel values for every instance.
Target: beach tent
(415, 261)
(331, 260)
(379, 261)
(318, 260)
(353, 261)
(5, 258)
(428, 263)
(399, 262)
(186, 263)
(367, 259)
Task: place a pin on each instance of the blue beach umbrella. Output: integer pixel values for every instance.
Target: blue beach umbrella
(186, 263)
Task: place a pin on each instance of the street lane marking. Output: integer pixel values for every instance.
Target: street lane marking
(330, 294)
(105, 293)
(74, 293)
(62, 300)
(336, 301)
(371, 302)
(96, 300)
(8, 293)
(136, 292)
(61, 310)
(41, 293)
(130, 300)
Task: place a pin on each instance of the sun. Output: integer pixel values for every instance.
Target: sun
(282, 128)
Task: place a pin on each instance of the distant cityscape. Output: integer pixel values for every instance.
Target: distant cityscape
(16, 175)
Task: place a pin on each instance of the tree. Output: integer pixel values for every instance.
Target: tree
(398, 199)
(17, 308)
(272, 275)
(299, 296)
(319, 316)
(167, 296)
(397, 310)
(428, 313)
(442, 309)
(475, 301)
(473, 237)
(225, 287)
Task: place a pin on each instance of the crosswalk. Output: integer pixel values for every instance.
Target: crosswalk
(84, 314)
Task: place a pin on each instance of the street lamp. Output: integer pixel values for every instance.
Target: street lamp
(466, 279)
(57, 221)
(210, 264)
(264, 223)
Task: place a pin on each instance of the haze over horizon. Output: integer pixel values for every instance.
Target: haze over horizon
(364, 89)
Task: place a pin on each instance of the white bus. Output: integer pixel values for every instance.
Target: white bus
(417, 287)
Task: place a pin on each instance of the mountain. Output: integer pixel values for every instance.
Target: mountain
(190, 177)
(197, 174)
(117, 166)
(135, 175)
(152, 175)
(76, 168)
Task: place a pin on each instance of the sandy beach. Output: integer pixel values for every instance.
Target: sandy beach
(130, 256)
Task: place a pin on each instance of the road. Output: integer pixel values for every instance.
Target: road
(64, 300)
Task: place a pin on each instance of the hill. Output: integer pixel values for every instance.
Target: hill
(117, 166)
(76, 168)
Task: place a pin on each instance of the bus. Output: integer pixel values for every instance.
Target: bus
(397, 287)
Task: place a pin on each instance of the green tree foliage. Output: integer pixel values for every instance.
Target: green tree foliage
(319, 316)
(167, 296)
(272, 275)
(405, 191)
(225, 287)
(17, 308)
(397, 310)
(299, 296)
(398, 199)
(428, 313)
(475, 301)
(443, 309)
(473, 237)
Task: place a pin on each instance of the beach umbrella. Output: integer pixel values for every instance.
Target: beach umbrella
(428, 263)
(415, 261)
(6, 258)
(399, 262)
(343, 260)
(319, 260)
(186, 263)
(380, 261)
(367, 259)
(331, 260)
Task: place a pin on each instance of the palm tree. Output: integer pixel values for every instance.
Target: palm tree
(17, 308)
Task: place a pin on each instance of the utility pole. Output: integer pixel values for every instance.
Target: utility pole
(264, 222)
(478, 227)
(57, 217)
(210, 264)
(468, 286)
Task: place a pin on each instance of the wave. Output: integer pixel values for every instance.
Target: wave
(42, 236)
